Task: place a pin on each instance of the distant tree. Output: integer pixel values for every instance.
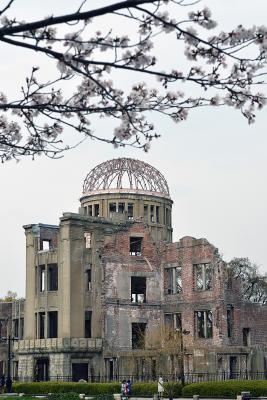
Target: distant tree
(214, 69)
(10, 296)
(254, 285)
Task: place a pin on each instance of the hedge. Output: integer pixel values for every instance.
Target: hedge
(139, 389)
(225, 388)
(64, 387)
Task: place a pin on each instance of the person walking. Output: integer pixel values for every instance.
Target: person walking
(123, 390)
(160, 387)
(129, 388)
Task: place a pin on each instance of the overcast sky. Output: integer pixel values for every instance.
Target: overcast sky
(215, 164)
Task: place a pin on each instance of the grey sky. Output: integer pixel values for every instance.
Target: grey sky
(215, 165)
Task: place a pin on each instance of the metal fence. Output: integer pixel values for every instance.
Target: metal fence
(188, 377)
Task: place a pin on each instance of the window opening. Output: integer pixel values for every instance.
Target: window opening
(87, 324)
(15, 369)
(152, 217)
(145, 212)
(21, 328)
(90, 211)
(174, 280)
(203, 276)
(88, 279)
(112, 208)
(87, 240)
(173, 323)
(121, 208)
(135, 246)
(130, 210)
(80, 371)
(157, 215)
(138, 289)
(16, 328)
(204, 324)
(168, 217)
(36, 326)
(229, 318)
(52, 277)
(52, 324)
(42, 369)
(36, 279)
(246, 336)
(46, 244)
(233, 367)
(41, 278)
(96, 210)
(41, 325)
(138, 335)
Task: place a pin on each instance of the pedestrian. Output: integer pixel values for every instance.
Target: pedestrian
(123, 390)
(129, 388)
(2, 383)
(160, 387)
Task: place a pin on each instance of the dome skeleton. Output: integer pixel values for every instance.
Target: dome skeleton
(113, 173)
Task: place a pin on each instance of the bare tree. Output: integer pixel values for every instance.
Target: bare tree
(223, 68)
(254, 284)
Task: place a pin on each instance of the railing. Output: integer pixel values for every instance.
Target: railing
(59, 343)
(188, 377)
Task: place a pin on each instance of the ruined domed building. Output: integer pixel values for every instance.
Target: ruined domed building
(110, 296)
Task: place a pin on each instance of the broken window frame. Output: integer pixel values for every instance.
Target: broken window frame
(138, 335)
(138, 289)
(130, 210)
(146, 212)
(96, 210)
(88, 277)
(174, 279)
(203, 276)
(15, 327)
(88, 324)
(204, 324)
(136, 245)
(121, 207)
(157, 214)
(173, 322)
(21, 328)
(152, 213)
(112, 208)
(52, 277)
(52, 317)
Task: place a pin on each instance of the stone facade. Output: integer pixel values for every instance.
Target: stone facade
(11, 326)
(109, 295)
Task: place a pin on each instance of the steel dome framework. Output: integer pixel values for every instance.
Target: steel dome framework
(125, 173)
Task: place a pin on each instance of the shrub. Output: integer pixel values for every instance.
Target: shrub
(225, 388)
(139, 389)
(91, 389)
